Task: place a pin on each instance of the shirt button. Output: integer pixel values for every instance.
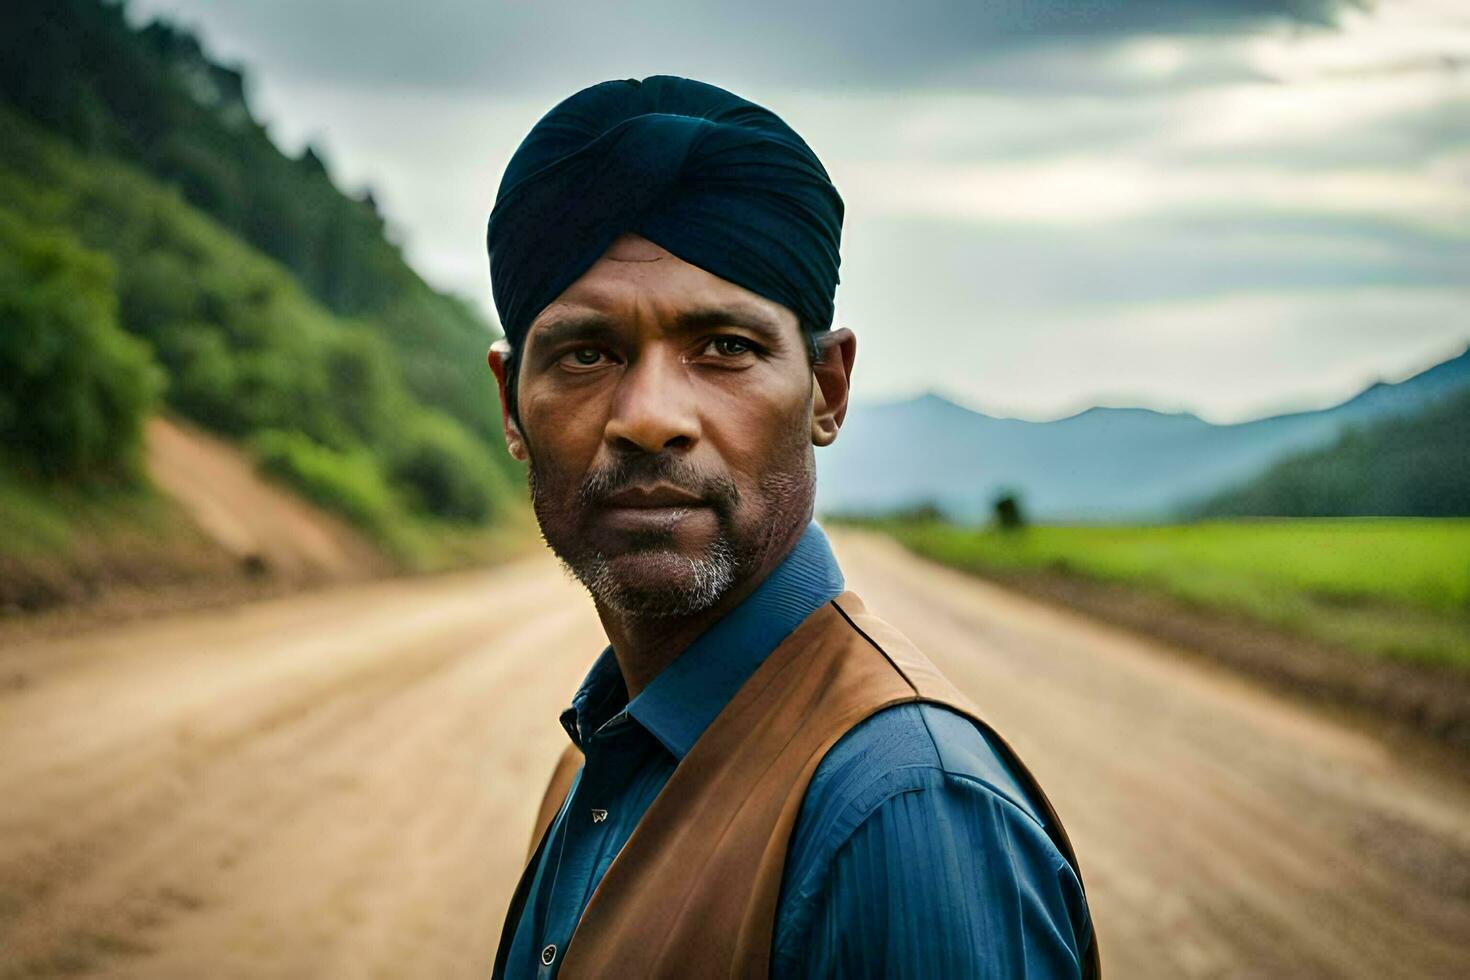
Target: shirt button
(598, 816)
(548, 955)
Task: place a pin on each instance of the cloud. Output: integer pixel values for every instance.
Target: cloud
(1219, 205)
(901, 269)
(1406, 136)
(505, 47)
(1084, 190)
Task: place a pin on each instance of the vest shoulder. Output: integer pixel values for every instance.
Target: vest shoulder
(904, 662)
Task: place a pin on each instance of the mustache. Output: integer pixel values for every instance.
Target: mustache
(629, 471)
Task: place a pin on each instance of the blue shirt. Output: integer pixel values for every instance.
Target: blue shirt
(916, 851)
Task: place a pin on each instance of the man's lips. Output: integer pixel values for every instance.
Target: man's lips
(657, 507)
(660, 495)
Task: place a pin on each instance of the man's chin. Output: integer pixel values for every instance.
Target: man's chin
(659, 582)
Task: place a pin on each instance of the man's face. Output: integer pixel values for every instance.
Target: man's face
(667, 415)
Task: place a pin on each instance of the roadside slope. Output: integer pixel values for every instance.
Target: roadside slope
(261, 525)
(211, 530)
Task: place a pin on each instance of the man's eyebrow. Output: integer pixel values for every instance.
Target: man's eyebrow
(572, 326)
(590, 325)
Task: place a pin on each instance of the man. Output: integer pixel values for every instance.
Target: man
(763, 777)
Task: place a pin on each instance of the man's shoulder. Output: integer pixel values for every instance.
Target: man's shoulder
(917, 808)
(906, 748)
(915, 741)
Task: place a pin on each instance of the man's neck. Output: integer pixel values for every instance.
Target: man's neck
(644, 647)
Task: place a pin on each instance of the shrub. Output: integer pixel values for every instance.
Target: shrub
(74, 388)
(157, 290)
(203, 376)
(444, 470)
(363, 385)
(348, 482)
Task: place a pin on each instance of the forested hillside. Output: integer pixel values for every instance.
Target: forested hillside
(152, 98)
(154, 244)
(1417, 466)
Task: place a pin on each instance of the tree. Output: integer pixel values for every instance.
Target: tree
(1008, 513)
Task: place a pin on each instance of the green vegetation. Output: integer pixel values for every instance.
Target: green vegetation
(347, 481)
(1385, 587)
(156, 246)
(42, 519)
(73, 387)
(1417, 466)
(150, 98)
(245, 351)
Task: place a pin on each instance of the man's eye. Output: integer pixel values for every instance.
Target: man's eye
(742, 345)
(584, 356)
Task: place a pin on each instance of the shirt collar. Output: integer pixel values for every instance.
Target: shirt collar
(681, 702)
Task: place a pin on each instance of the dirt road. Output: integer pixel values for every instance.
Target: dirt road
(340, 785)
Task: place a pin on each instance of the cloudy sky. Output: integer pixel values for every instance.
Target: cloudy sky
(1228, 206)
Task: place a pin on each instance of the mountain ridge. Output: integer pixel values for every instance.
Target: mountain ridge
(1102, 463)
(1454, 365)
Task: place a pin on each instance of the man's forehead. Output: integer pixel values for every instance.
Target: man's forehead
(632, 247)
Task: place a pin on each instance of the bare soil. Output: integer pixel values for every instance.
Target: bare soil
(258, 523)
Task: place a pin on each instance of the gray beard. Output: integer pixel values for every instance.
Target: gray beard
(711, 573)
(710, 576)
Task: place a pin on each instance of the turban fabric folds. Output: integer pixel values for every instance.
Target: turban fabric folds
(714, 179)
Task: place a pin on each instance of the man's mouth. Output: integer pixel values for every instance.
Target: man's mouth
(658, 496)
(658, 507)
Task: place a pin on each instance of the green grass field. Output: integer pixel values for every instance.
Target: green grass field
(1386, 587)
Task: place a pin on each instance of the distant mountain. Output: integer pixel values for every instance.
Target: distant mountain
(1101, 464)
(1402, 466)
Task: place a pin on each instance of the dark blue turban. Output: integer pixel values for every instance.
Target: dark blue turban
(718, 181)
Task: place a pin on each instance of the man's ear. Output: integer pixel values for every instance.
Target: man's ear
(832, 378)
(501, 362)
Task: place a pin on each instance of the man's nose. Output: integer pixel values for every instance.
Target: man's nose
(654, 408)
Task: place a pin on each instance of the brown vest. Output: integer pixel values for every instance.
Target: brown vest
(693, 892)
